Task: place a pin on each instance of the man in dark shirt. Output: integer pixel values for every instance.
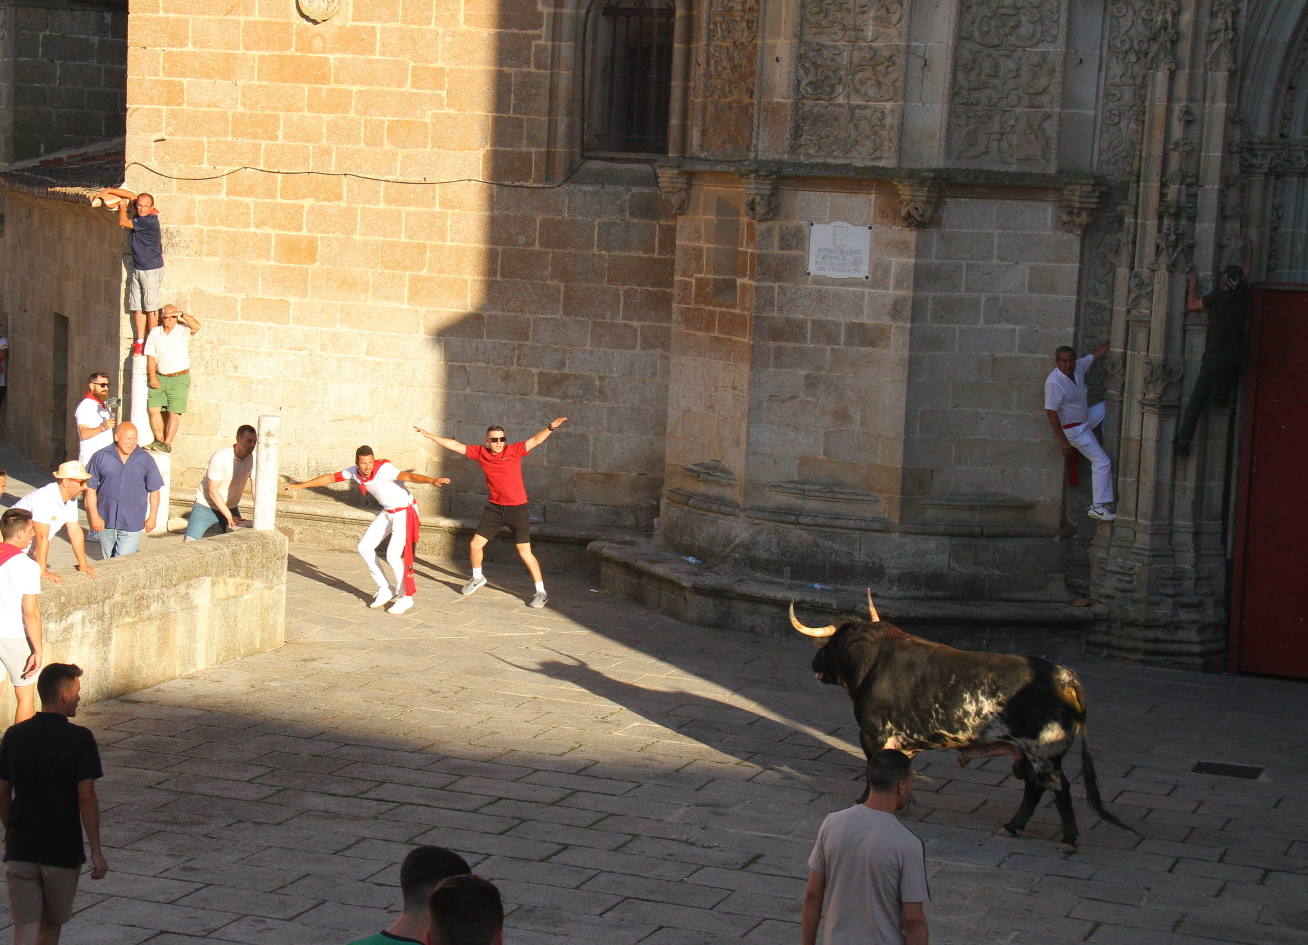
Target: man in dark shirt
(145, 277)
(1228, 308)
(48, 768)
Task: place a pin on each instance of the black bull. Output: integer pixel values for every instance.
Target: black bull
(915, 695)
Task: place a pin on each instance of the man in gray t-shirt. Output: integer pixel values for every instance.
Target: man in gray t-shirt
(867, 873)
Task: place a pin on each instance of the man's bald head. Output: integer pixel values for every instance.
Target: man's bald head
(170, 311)
(125, 437)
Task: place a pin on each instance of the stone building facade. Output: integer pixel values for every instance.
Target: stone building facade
(63, 75)
(393, 212)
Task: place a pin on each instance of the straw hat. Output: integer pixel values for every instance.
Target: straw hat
(71, 469)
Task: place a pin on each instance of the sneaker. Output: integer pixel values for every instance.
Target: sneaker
(154, 446)
(400, 606)
(1101, 512)
(472, 585)
(138, 347)
(384, 597)
(163, 447)
(539, 600)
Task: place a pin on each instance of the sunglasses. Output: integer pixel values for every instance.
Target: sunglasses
(496, 439)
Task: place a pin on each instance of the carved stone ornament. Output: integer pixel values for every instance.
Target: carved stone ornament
(918, 200)
(318, 10)
(674, 185)
(760, 193)
(1078, 206)
(1160, 377)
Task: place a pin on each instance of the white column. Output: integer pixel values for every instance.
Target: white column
(265, 474)
(140, 416)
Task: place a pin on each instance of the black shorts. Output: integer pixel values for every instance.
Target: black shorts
(495, 517)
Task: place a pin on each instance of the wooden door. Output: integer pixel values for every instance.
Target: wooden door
(1269, 613)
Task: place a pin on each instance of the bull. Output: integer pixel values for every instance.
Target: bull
(916, 695)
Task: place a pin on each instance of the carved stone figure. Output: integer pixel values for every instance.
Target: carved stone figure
(318, 10)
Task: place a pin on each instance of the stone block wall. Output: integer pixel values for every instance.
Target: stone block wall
(365, 298)
(66, 75)
(155, 616)
(994, 292)
(61, 294)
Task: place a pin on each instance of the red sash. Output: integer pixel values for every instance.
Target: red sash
(8, 551)
(411, 525)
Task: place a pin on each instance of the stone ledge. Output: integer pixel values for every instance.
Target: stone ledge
(164, 613)
(641, 571)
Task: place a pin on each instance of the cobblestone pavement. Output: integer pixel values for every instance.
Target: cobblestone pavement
(628, 779)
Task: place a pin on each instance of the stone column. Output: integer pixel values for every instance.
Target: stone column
(140, 416)
(265, 474)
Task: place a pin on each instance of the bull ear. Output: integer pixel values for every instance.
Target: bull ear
(872, 608)
(815, 632)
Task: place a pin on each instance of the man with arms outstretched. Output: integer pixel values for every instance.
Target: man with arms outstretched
(380, 479)
(507, 504)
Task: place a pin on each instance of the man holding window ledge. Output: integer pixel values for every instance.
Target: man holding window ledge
(501, 462)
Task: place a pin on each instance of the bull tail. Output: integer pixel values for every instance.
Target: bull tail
(1092, 787)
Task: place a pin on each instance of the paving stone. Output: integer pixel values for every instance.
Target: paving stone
(659, 784)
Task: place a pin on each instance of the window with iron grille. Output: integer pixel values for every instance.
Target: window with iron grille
(631, 77)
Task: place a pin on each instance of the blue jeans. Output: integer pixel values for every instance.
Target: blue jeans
(204, 518)
(115, 542)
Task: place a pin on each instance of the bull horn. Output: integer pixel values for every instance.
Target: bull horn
(872, 608)
(818, 632)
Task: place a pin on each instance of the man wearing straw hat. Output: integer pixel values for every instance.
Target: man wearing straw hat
(54, 507)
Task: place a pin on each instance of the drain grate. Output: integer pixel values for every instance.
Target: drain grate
(1250, 772)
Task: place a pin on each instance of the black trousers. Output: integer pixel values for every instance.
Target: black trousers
(1217, 368)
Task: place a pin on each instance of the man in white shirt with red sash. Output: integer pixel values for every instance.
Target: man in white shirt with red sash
(1074, 422)
(95, 421)
(380, 479)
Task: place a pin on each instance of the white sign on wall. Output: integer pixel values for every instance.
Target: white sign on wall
(839, 250)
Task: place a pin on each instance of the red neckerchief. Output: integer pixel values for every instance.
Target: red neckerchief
(90, 396)
(364, 482)
(8, 551)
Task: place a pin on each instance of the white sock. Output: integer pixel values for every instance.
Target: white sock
(540, 587)
(476, 574)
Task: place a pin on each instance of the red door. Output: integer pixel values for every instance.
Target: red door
(1269, 614)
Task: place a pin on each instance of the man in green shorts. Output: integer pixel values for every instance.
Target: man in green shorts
(168, 364)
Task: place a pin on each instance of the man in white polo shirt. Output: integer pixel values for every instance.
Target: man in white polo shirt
(168, 367)
(20, 611)
(218, 497)
(380, 479)
(54, 507)
(95, 422)
(1074, 422)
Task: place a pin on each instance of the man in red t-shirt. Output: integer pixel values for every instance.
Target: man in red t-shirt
(501, 461)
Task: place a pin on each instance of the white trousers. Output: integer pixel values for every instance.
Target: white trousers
(1087, 444)
(397, 523)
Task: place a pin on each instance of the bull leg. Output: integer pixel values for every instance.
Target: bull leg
(1031, 794)
(1063, 800)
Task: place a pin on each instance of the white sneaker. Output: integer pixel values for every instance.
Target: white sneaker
(472, 585)
(384, 597)
(401, 605)
(539, 600)
(1101, 512)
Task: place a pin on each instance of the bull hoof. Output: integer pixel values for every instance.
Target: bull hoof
(1067, 846)
(1012, 831)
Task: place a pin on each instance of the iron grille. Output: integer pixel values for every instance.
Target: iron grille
(630, 107)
